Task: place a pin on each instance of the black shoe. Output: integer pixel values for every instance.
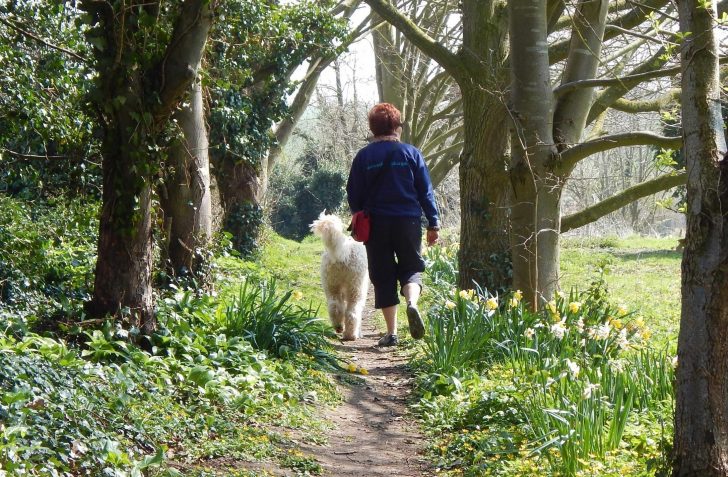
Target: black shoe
(388, 340)
(416, 325)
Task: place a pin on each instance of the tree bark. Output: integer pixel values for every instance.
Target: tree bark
(186, 195)
(701, 413)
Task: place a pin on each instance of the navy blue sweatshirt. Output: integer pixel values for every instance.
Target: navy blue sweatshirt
(404, 190)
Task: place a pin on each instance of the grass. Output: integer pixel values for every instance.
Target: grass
(642, 274)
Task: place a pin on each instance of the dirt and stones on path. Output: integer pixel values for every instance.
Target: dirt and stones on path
(373, 435)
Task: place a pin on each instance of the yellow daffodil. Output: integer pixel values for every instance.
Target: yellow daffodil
(646, 334)
(351, 367)
(297, 295)
(518, 295)
(513, 302)
(463, 294)
(363, 371)
(551, 307)
(621, 311)
(618, 325)
(450, 305)
(639, 322)
(491, 303)
(574, 306)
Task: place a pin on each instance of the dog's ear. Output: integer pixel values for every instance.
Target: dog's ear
(322, 214)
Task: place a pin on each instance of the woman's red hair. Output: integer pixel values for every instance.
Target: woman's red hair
(384, 119)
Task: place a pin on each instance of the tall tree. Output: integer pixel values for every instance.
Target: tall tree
(146, 55)
(701, 420)
(489, 174)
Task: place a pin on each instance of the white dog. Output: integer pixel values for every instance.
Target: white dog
(344, 275)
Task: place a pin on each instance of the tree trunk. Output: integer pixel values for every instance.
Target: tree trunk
(239, 183)
(122, 281)
(186, 196)
(701, 414)
(484, 256)
(536, 189)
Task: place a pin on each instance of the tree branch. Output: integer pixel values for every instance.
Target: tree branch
(183, 55)
(42, 41)
(417, 36)
(559, 51)
(572, 156)
(641, 106)
(627, 196)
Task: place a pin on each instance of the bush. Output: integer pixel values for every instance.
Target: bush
(47, 258)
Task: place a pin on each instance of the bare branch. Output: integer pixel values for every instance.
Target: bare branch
(627, 196)
(624, 80)
(417, 36)
(572, 156)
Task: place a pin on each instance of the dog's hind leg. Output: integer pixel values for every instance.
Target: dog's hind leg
(336, 314)
(354, 310)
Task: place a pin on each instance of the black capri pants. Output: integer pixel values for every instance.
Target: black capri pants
(393, 253)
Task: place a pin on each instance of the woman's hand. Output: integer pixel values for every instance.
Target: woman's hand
(432, 237)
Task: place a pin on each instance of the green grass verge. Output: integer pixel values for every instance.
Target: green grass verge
(642, 274)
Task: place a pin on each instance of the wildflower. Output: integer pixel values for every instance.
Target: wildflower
(518, 295)
(450, 305)
(622, 340)
(351, 367)
(463, 294)
(618, 325)
(297, 295)
(602, 332)
(551, 307)
(513, 303)
(646, 334)
(588, 389)
(556, 317)
(560, 294)
(580, 324)
(573, 367)
(491, 303)
(639, 322)
(621, 311)
(559, 330)
(674, 362)
(363, 371)
(549, 382)
(574, 306)
(529, 333)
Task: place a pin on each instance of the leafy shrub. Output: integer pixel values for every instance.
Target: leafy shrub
(47, 257)
(272, 323)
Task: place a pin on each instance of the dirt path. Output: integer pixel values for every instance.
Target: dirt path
(373, 435)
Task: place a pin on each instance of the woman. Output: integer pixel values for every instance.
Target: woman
(389, 179)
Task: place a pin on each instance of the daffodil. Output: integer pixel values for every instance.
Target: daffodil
(574, 306)
(559, 330)
(646, 334)
(573, 367)
(513, 303)
(551, 307)
(518, 295)
(450, 305)
(529, 333)
(560, 294)
(363, 371)
(464, 294)
(351, 367)
(618, 325)
(297, 295)
(621, 311)
(491, 303)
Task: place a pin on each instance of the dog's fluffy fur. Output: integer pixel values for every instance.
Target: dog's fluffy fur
(344, 275)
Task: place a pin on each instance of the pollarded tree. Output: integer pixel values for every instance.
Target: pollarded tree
(701, 421)
(146, 56)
